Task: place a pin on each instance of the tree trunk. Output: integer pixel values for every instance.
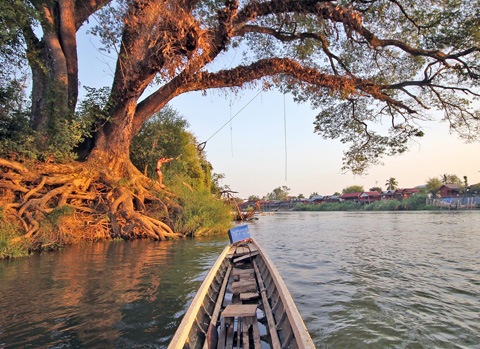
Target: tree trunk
(55, 83)
(112, 141)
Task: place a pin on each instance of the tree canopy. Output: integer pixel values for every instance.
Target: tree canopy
(279, 193)
(391, 184)
(353, 189)
(360, 63)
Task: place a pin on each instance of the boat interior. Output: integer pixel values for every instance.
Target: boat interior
(243, 307)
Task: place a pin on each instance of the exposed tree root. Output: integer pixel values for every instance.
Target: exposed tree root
(101, 205)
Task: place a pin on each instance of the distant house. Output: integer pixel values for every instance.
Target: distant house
(405, 193)
(354, 197)
(448, 190)
(317, 199)
(332, 198)
(370, 196)
(388, 194)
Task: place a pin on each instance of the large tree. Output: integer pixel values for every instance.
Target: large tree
(359, 62)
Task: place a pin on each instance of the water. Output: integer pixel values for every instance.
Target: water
(359, 279)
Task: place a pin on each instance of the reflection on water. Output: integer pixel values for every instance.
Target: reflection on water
(102, 295)
(364, 280)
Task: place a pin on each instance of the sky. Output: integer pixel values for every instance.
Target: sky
(271, 141)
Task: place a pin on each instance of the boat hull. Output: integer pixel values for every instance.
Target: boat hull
(242, 302)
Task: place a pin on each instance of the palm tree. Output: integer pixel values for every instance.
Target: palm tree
(391, 184)
(444, 179)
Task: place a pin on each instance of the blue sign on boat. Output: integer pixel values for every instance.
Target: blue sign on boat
(239, 233)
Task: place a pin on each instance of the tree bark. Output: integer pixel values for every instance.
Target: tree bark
(55, 80)
(112, 142)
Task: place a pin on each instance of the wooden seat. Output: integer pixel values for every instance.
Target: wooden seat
(242, 286)
(243, 274)
(246, 315)
(248, 296)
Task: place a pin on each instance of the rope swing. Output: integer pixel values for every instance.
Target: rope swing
(202, 145)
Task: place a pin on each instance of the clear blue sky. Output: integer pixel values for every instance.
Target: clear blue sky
(251, 153)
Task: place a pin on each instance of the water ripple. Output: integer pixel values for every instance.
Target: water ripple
(376, 280)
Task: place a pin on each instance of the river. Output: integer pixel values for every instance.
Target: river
(359, 279)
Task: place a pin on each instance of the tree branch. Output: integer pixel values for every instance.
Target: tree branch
(85, 8)
(264, 68)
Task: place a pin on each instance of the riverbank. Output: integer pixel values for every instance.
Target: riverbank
(413, 203)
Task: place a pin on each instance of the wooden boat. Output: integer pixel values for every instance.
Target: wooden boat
(242, 303)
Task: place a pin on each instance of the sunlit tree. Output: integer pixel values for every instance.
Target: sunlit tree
(357, 62)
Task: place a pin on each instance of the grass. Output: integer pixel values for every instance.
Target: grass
(9, 231)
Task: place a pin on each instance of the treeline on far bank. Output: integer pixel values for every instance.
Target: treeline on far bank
(414, 203)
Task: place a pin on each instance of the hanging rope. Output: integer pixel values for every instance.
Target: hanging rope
(285, 133)
(231, 128)
(202, 145)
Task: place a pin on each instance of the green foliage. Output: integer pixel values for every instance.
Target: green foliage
(189, 176)
(433, 185)
(9, 231)
(165, 135)
(253, 198)
(351, 122)
(391, 184)
(50, 235)
(279, 193)
(56, 142)
(475, 188)
(353, 189)
(333, 206)
(450, 179)
(202, 213)
(413, 203)
(15, 17)
(16, 136)
(93, 109)
(378, 189)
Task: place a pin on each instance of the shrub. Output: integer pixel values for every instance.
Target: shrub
(9, 231)
(202, 212)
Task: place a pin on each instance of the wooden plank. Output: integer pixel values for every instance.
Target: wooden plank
(249, 255)
(241, 250)
(256, 335)
(247, 296)
(268, 311)
(243, 286)
(181, 335)
(245, 338)
(242, 273)
(252, 247)
(240, 310)
(230, 334)
(223, 334)
(218, 304)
